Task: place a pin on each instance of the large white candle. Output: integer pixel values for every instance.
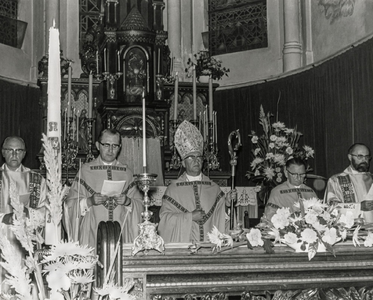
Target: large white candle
(90, 92)
(77, 127)
(54, 85)
(176, 95)
(143, 132)
(97, 69)
(194, 94)
(211, 106)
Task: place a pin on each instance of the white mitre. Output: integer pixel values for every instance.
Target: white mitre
(188, 139)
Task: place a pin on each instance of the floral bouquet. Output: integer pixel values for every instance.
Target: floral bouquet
(316, 229)
(271, 150)
(207, 65)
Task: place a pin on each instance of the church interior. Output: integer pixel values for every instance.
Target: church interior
(305, 64)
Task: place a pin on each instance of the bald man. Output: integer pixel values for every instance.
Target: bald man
(354, 183)
(31, 187)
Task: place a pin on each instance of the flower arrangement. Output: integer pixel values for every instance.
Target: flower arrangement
(317, 229)
(206, 65)
(271, 150)
(68, 267)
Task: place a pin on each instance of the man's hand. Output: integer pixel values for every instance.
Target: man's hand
(231, 195)
(197, 215)
(96, 199)
(122, 200)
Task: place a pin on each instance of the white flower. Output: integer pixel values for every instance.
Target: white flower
(271, 145)
(309, 151)
(256, 151)
(319, 227)
(256, 173)
(347, 219)
(289, 150)
(58, 280)
(255, 237)
(269, 172)
(278, 125)
(256, 161)
(257, 188)
(309, 235)
(273, 138)
(281, 140)
(254, 139)
(281, 218)
(330, 236)
(279, 179)
(290, 238)
(269, 156)
(279, 159)
(310, 217)
(369, 240)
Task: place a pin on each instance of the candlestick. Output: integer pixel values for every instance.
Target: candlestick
(65, 125)
(216, 127)
(194, 94)
(210, 99)
(105, 60)
(90, 92)
(69, 99)
(143, 131)
(176, 95)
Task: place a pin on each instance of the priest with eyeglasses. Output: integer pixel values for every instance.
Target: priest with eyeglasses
(354, 184)
(290, 193)
(193, 203)
(103, 190)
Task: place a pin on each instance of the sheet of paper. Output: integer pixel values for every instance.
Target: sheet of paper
(111, 188)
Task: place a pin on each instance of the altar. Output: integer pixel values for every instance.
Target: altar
(240, 273)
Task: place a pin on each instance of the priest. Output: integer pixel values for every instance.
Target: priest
(193, 204)
(89, 201)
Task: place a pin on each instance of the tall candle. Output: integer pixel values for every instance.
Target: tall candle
(97, 69)
(216, 127)
(54, 85)
(105, 60)
(211, 106)
(90, 92)
(143, 132)
(77, 126)
(159, 61)
(65, 125)
(176, 95)
(118, 54)
(69, 98)
(194, 94)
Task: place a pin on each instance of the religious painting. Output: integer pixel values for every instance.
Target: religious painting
(135, 79)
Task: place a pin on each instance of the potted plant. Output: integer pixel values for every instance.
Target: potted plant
(206, 65)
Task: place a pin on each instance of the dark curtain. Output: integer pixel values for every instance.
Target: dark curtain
(331, 104)
(20, 115)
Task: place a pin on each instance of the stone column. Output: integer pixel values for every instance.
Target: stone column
(292, 45)
(174, 33)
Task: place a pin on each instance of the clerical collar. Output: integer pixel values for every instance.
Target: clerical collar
(108, 164)
(194, 178)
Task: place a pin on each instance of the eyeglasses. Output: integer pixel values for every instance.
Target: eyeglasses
(296, 175)
(13, 151)
(194, 157)
(361, 157)
(107, 146)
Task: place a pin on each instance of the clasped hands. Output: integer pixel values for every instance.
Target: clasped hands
(99, 199)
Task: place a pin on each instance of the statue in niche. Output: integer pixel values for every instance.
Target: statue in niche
(83, 131)
(135, 75)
